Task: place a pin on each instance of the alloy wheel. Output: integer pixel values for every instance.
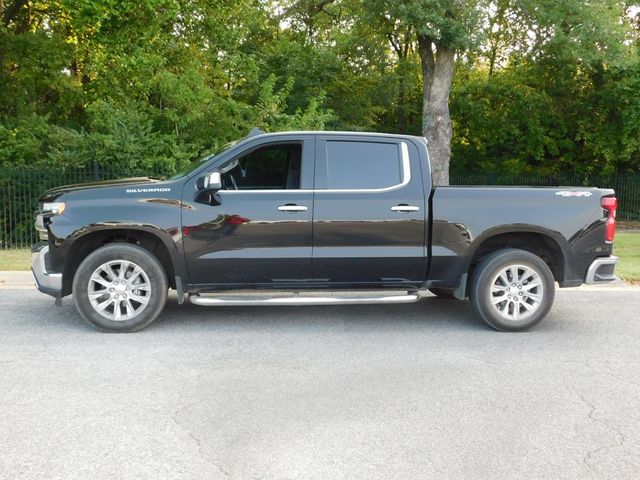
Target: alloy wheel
(119, 290)
(516, 292)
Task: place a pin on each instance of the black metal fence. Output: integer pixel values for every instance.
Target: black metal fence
(21, 187)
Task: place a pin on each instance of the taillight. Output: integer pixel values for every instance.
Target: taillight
(610, 204)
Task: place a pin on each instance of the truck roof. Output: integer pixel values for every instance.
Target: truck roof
(256, 134)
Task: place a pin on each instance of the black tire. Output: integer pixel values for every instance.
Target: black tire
(486, 275)
(442, 293)
(152, 303)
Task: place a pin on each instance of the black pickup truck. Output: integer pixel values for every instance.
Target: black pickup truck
(289, 215)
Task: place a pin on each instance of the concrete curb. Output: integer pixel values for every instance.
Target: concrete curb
(10, 279)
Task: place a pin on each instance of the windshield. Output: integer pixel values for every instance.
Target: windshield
(198, 163)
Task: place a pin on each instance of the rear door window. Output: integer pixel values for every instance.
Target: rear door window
(363, 165)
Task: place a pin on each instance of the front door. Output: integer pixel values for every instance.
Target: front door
(256, 230)
(369, 212)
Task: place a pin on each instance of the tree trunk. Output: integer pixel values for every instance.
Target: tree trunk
(402, 101)
(12, 10)
(437, 74)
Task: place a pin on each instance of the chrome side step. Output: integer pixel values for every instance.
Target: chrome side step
(243, 301)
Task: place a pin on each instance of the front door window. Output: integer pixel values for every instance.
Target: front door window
(274, 167)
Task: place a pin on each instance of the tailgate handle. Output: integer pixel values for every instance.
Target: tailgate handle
(404, 208)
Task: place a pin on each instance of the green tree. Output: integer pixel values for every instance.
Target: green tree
(145, 84)
(509, 86)
(442, 28)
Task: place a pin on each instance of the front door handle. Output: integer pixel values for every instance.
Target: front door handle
(404, 208)
(289, 207)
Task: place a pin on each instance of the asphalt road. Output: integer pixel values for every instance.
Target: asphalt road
(355, 392)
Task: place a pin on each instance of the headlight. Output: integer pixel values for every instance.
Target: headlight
(53, 207)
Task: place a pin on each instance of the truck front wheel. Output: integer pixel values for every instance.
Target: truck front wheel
(512, 290)
(120, 288)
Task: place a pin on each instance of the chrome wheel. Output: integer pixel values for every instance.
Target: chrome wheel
(516, 292)
(119, 290)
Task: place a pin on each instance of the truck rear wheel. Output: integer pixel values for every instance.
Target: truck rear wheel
(512, 290)
(120, 288)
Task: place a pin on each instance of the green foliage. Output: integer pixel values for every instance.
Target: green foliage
(541, 86)
(610, 125)
(549, 91)
(502, 125)
(450, 23)
(150, 84)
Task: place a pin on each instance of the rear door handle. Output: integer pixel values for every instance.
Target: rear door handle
(292, 208)
(403, 208)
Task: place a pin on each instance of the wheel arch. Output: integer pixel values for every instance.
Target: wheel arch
(153, 239)
(548, 245)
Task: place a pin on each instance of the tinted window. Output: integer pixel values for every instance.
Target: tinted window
(198, 163)
(363, 165)
(275, 167)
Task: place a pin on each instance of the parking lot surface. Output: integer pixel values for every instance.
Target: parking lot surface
(354, 392)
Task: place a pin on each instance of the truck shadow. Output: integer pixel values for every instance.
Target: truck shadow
(428, 313)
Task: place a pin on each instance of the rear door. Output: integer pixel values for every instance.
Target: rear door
(369, 212)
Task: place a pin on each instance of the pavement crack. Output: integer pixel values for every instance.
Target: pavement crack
(588, 457)
(487, 362)
(622, 379)
(608, 372)
(196, 439)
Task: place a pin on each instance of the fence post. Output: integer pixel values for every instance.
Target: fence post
(96, 170)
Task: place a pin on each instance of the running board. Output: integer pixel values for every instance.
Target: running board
(243, 301)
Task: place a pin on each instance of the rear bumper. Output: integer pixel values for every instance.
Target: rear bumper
(47, 282)
(601, 270)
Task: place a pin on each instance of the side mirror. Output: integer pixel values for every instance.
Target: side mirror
(210, 181)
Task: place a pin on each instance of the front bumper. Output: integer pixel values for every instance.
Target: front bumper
(601, 270)
(47, 282)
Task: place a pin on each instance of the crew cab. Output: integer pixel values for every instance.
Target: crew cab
(284, 216)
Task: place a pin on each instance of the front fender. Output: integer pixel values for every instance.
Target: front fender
(171, 238)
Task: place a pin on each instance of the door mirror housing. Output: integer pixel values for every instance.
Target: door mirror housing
(210, 181)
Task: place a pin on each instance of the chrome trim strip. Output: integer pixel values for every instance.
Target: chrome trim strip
(237, 301)
(590, 277)
(293, 190)
(406, 178)
(50, 281)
